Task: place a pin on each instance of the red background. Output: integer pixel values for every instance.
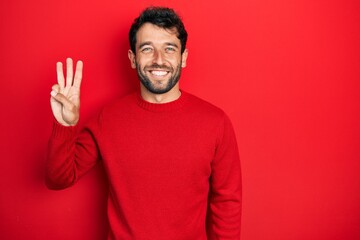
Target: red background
(286, 72)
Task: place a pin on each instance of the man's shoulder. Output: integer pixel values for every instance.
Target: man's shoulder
(119, 107)
(203, 106)
(124, 101)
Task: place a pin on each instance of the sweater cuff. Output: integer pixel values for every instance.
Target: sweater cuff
(60, 131)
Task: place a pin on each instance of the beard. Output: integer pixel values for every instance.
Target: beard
(150, 86)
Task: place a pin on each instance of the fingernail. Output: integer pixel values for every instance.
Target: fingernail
(53, 93)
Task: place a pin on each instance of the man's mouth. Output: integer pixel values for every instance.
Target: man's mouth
(158, 73)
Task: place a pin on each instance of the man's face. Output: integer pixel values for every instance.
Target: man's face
(158, 59)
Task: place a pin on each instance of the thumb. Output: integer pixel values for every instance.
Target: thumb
(62, 99)
(56, 88)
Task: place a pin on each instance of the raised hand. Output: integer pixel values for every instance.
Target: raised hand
(65, 95)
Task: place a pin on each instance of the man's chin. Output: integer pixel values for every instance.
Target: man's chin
(158, 90)
(157, 87)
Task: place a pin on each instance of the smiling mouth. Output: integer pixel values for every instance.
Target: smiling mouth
(158, 73)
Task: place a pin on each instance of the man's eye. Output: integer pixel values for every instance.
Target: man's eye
(146, 50)
(170, 49)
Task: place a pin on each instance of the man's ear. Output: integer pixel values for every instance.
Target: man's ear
(184, 56)
(131, 56)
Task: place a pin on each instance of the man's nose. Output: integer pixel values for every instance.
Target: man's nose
(158, 57)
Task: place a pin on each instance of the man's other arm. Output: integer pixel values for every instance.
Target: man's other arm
(70, 154)
(224, 210)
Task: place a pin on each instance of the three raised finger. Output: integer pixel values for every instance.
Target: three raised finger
(70, 78)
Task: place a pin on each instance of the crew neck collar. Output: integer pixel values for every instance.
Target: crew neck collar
(162, 107)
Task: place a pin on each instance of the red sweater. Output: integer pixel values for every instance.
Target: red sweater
(173, 168)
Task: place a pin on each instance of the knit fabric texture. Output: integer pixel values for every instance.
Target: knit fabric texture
(173, 169)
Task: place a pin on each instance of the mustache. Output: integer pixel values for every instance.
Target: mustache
(159, 67)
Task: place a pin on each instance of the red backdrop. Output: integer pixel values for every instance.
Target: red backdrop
(287, 73)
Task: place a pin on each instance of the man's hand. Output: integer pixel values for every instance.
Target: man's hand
(65, 96)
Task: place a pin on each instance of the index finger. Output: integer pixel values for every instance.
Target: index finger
(78, 74)
(60, 74)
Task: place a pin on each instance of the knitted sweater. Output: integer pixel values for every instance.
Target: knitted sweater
(173, 168)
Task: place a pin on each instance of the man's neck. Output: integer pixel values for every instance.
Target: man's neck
(169, 96)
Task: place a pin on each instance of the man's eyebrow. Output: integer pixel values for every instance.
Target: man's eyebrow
(144, 43)
(172, 44)
(166, 43)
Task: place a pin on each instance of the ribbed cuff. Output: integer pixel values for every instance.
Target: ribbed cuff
(60, 131)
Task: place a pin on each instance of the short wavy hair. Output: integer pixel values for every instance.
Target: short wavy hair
(163, 17)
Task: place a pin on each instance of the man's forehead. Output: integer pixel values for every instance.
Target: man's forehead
(150, 32)
(148, 25)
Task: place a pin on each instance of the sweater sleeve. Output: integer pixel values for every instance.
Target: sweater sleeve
(71, 153)
(224, 213)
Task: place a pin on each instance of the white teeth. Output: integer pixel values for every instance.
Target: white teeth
(159, 73)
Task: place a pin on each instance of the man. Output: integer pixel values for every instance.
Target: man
(170, 157)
